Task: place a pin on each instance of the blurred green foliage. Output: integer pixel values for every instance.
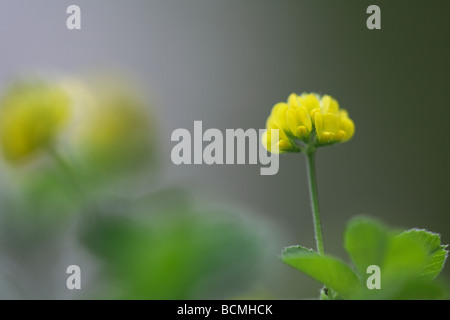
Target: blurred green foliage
(84, 198)
(179, 254)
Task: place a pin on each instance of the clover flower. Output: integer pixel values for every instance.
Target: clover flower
(113, 129)
(307, 119)
(32, 114)
(304, 123)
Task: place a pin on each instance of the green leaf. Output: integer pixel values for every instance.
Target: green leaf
(330, 271)
(430, 243)
(404, 288)
(366, 241)
(414, 252)
(408, 260)
(421, 290)
(403, 256)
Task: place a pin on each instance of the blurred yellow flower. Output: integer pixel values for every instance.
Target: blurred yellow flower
(113, 128)
(309, 118)
(32, 114)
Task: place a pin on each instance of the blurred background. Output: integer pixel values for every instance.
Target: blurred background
(104, 194)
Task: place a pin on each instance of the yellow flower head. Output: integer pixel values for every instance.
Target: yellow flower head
(113, 128)
(308, 120)
(31, 116)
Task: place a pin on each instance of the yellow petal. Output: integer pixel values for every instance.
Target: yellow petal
(340, 136)
(313, 112)
(346, 124)
(293, 101)
(280, 115)
(326, 137)
(309, 101)
(296, 118)
(302, 132)
(282, 143)
(292, 120)
(343, 113)
(327, 126)
(329, 105)
(318, 122)
(304, 118)
(330, 122)
(270, 122)
(277, 107)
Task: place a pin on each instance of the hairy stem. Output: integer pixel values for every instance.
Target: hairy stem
(311, 168)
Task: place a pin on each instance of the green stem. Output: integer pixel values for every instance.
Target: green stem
(75, 185)
(76, 191)
(311, 168)
(66, 168)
